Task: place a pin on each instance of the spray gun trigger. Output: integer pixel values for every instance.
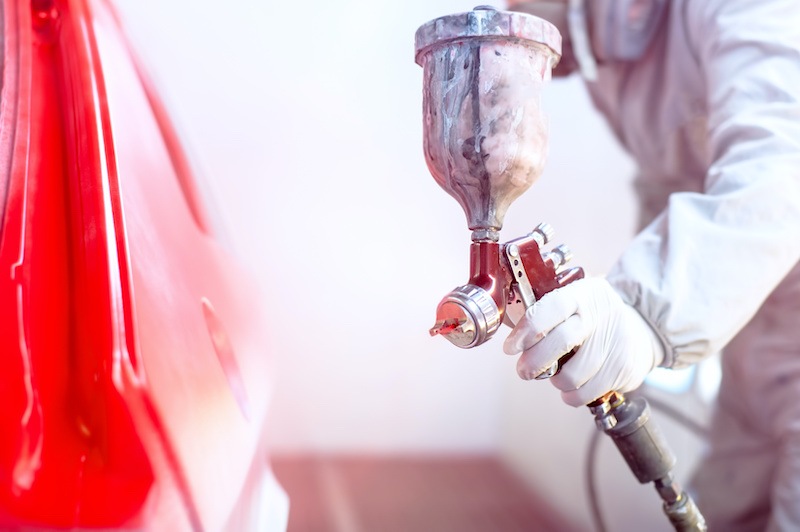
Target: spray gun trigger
(549, 372)
(521, 284)
(553, 370)
(515, 308)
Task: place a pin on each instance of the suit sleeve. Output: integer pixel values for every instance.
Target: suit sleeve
(701, 270)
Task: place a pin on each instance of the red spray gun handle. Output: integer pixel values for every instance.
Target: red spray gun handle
(534, 274)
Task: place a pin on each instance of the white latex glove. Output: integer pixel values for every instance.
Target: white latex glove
(618, 347)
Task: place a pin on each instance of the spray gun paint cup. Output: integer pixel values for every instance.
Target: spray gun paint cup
(485, 136)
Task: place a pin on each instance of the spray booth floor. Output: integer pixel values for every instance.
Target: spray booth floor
(474, 494)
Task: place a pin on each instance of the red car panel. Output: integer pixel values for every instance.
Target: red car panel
(133, 374)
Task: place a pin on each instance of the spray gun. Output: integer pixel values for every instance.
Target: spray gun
(485, 142)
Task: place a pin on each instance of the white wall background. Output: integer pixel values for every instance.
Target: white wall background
(306, 119)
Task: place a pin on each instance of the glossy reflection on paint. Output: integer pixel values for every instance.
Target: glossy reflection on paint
(227, 359)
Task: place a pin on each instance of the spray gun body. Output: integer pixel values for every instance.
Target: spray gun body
(485, 142)
(505, 280)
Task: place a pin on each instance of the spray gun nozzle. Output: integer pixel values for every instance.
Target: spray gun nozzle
(446, 326)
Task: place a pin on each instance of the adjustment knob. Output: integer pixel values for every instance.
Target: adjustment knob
(559, 256)
(543, 233)
(565, 252)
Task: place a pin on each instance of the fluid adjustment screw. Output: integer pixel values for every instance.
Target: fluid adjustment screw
(546, 230)
(565, 252)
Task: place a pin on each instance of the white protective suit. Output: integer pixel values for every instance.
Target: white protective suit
(711, 112)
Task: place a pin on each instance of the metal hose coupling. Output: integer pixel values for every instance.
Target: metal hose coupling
(628, 423)
(684, 515)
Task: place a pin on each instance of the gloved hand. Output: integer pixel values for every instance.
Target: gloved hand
(618, 348)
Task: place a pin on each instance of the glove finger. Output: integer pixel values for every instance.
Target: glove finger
(561, 340)
(603, 381)
(576, 398)
(593, 389)
(547, 313)
(624, 370)
(584, 365)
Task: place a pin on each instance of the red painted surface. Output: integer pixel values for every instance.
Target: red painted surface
(133, 378)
